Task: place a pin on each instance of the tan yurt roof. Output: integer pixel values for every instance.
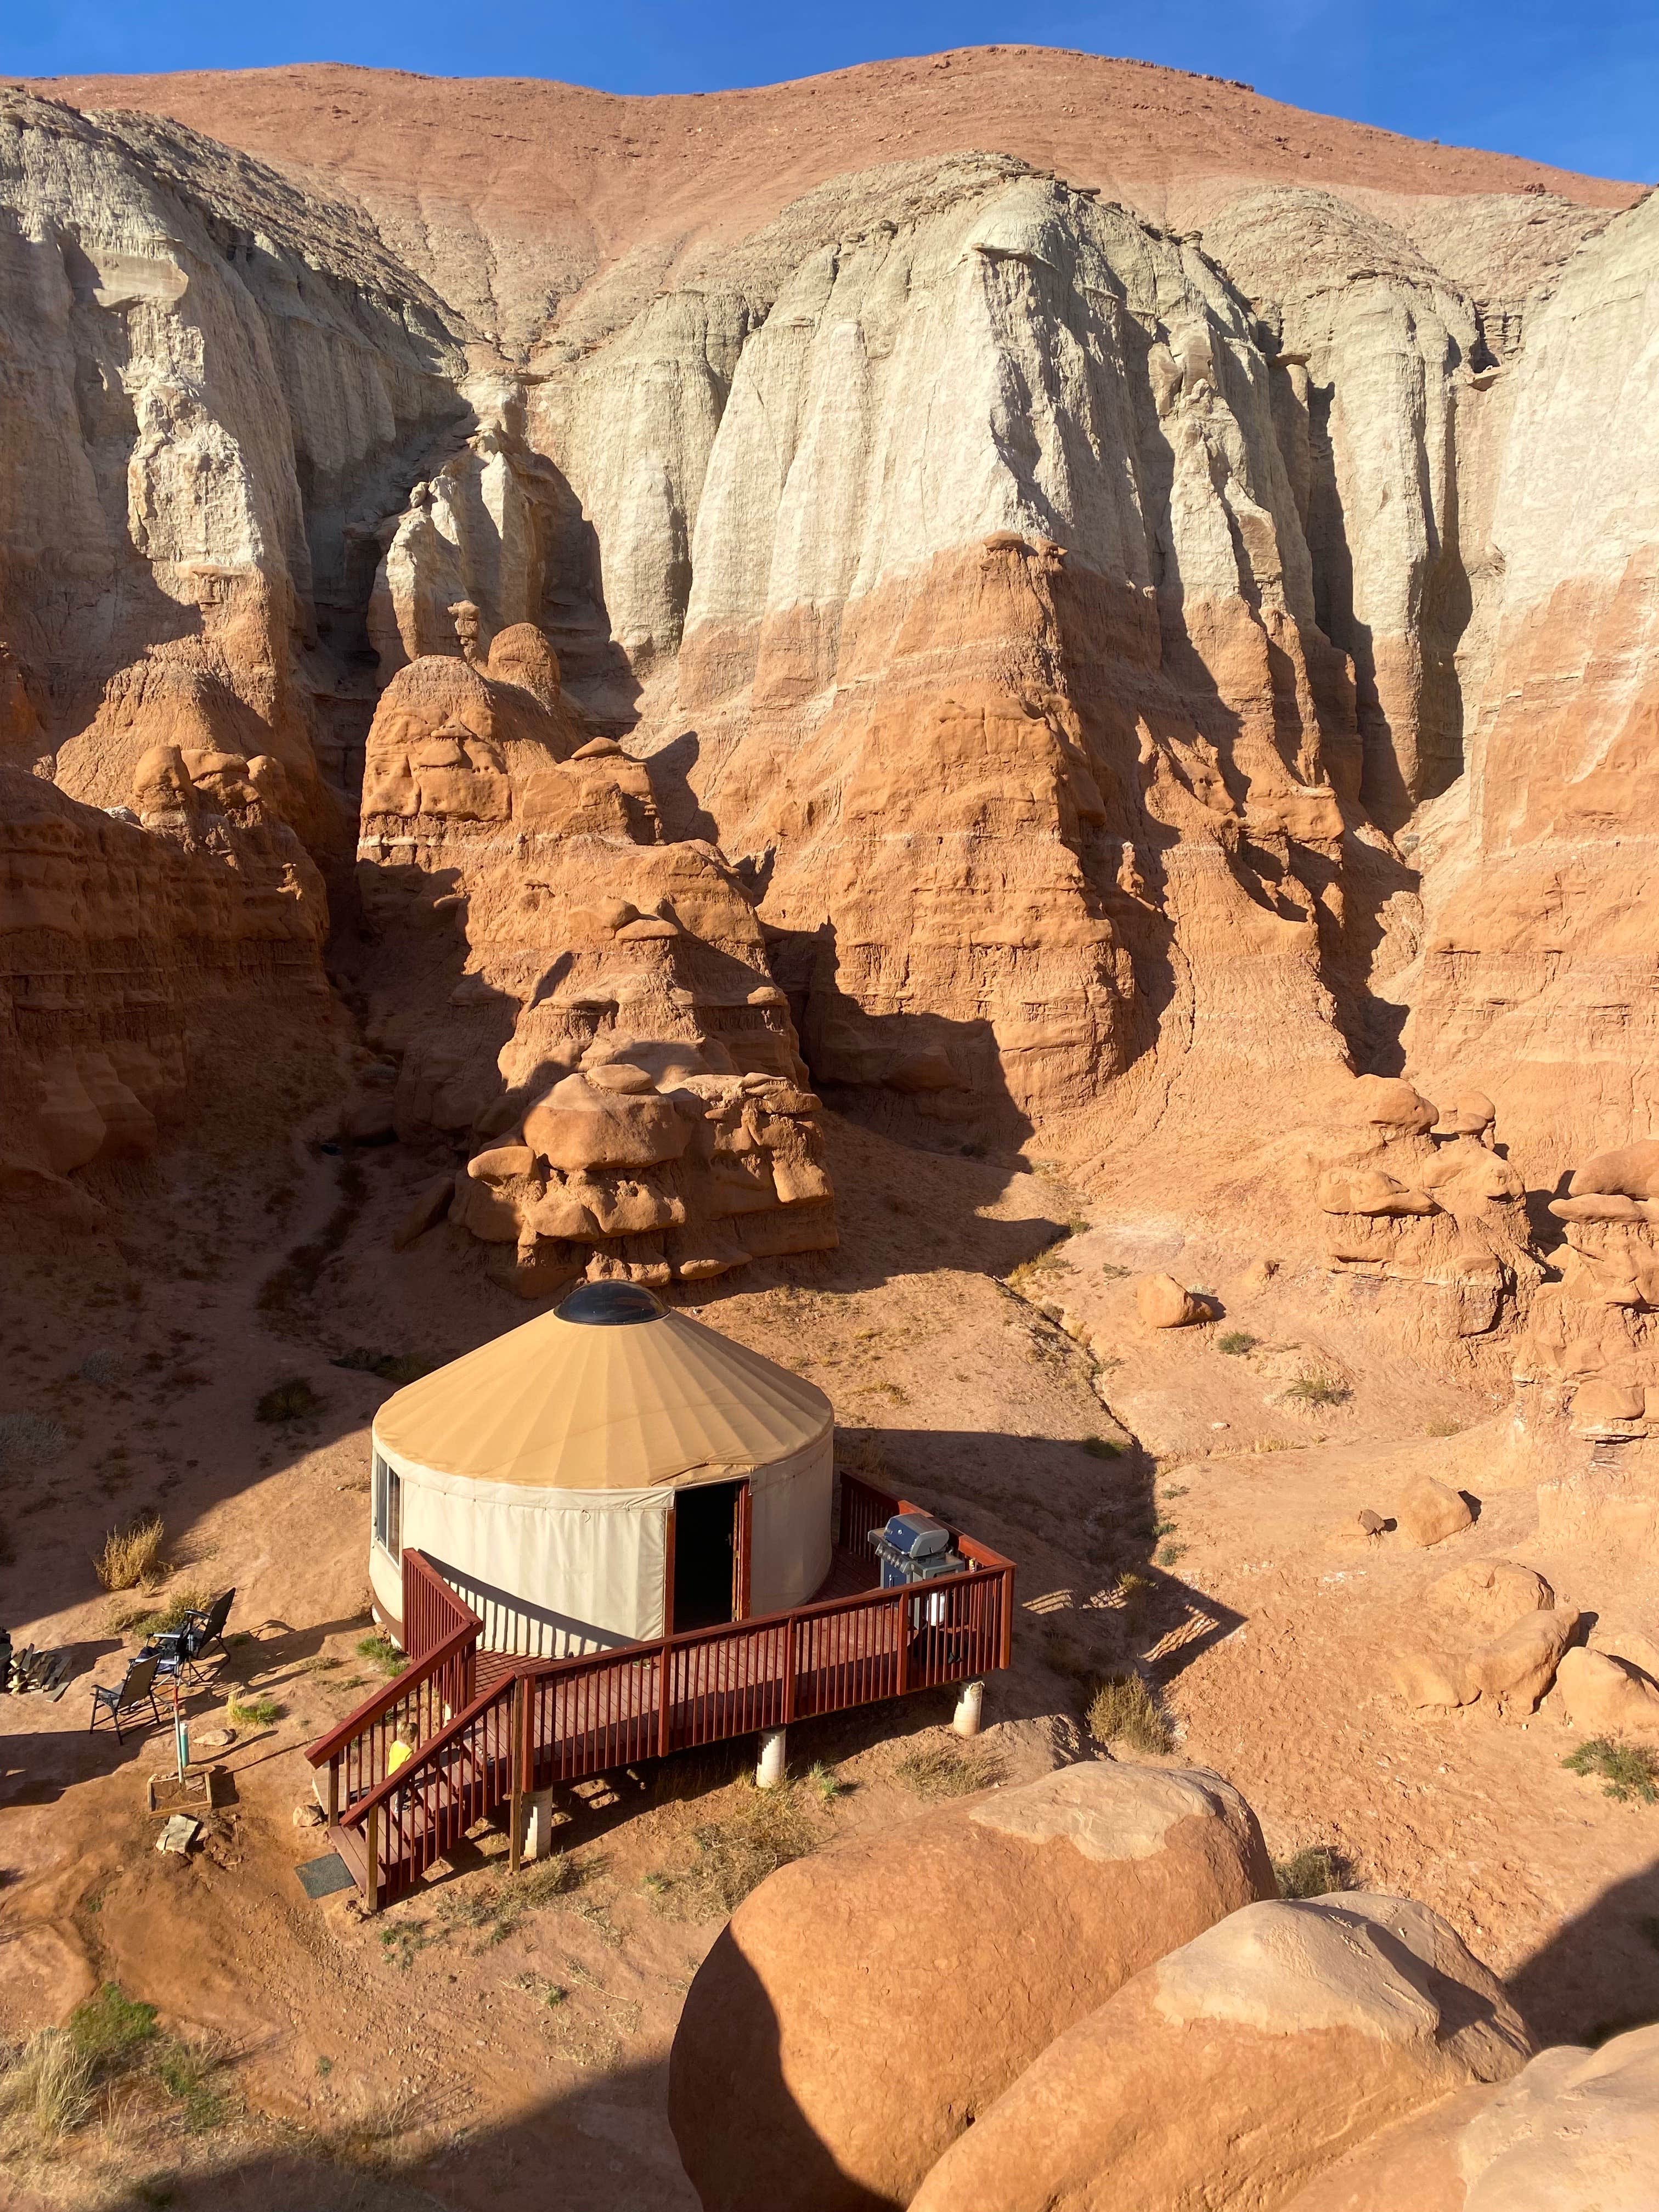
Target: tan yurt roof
(611, 1391)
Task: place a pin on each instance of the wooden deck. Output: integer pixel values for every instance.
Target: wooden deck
(492, 1728)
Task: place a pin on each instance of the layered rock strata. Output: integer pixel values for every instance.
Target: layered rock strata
(139, 954)
(580, 1002)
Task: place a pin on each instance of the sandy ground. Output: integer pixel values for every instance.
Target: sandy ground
(463, 2042)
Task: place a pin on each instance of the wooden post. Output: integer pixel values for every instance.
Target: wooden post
(334, 1791)
(792, 1654)
(903, 1610)
(665, 1695)
(515, 1817)
(371, 1841)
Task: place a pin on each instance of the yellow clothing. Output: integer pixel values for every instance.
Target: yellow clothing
(399, 1755)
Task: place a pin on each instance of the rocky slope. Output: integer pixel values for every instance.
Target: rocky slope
(1133, 668)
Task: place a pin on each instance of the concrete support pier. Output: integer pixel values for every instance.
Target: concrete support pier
(772, 1757)
(971, 1704)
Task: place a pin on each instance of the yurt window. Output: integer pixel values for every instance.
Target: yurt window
(388, 1508)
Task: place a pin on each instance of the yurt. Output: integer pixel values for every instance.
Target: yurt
(610, 1471)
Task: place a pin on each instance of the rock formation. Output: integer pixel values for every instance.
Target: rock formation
(1574, 2128)
(1117, 613)
(826, 2058)
(141, 954)
(1241, 2065)
(583, 1004)
(1410, 1194)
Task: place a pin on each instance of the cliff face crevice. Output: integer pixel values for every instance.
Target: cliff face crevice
(1142, 677)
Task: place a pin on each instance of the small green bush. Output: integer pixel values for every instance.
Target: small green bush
(293, 1399)
(1236, 1342)
(384, 1653)
(189, 2074)
(108, 2028)
(1313, 1872)
(1124, 1710)
(1627, 1772)
(253, 1712)
(1101, 1448)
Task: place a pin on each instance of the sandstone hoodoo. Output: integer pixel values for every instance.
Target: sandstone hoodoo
(838, 896)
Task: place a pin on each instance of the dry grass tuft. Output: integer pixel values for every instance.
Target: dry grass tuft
(1318, 1390)
(48, 2085)
(941, 1769)
(1124, 1709)
(132, 1555)
(765, 1830)
(293, 1399)
(1315, 1871)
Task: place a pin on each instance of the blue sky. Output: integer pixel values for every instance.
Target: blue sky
(1576, 85)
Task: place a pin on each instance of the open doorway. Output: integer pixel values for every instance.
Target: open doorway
(710, 1561)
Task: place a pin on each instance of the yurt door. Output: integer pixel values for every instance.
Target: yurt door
(709, 1534)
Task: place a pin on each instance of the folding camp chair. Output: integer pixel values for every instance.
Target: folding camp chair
(136, 1688)
(179, 1649)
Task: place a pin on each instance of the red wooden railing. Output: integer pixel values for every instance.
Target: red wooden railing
(559, 1721)
(440, 1636)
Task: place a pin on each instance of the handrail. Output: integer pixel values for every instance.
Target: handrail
(381, 1702)
(417, 1571)
(389, 1784)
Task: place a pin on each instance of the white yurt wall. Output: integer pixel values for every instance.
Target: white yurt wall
(539, 1473)
(789, 1536)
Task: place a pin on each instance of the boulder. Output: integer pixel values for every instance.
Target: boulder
(1574, 2129)
(1239, 2067)
(1428, 1512)
(1638, 1647)
(1425, 1676)
(1515, 1670)
(426, 1210)
(1487, 1596)
(1602, 1696)
(864, 2006)
(1162, 1303)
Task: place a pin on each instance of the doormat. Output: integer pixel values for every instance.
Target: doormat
(322, 1877)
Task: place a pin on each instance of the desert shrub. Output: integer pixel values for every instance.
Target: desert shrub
(108, 2028)
(941, 1769)
(1236, 1342)
(1444, 1429)
(1318, 1390)
(765, 1830)
(163, 1620)
(1112, 1271)
(1627, 1772)
(1101, 1448)
(48, 2083)
(293, 1399)
(384, 1653)
(191, 2074)
(1124, 1709)
(31, 1439)
(132, 1555)
(1132, 1591)
(825, 1780)
(252, 1712)
(1315, 1871)
(390, 1366)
